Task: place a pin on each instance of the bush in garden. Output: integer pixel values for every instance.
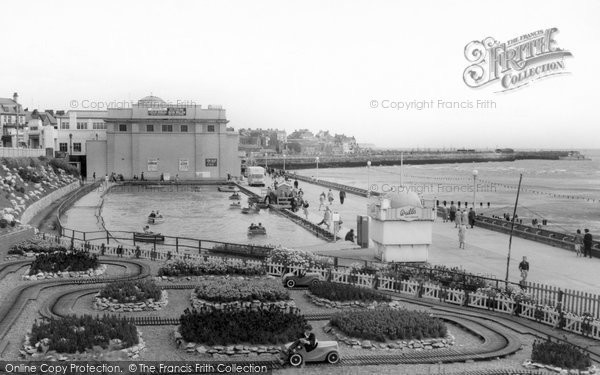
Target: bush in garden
(231, 326)
(72, 333)
(230, 290)
(346, 292)
(388, 324)
(210, 267)
(132, 291)
(29, 175)
(455, 278)
(64, 261)
(35, 245)
(301, 258)
(560, 354)
(57, 164)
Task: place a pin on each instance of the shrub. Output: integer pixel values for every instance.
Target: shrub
(229, 290)
(229, 326)
(29, 175)
(35, 245)
(3, 223)
(385, 323)
(345, 292)
(455, 278)
(72, 334)
(132, 291)
(302, 258)
(64, 261)
(57, 164)
(16, 163)
(561, 354)
(210, 267)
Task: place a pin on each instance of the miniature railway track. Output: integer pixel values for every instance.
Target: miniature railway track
(17, 299)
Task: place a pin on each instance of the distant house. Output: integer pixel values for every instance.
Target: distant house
(12, 122)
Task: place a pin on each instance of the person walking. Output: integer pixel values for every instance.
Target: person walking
(452, 212)
(330, 197)
(326, 218)
(296, 184)
(471, 217)
(94, 176)
(342, 196)
(462, 230)
(578, 242)
(305, 208)
(524, 268)
(322, 200)
(444, 214)
(587, 243)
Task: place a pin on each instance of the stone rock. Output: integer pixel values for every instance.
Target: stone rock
(367, 344)
(201, 349)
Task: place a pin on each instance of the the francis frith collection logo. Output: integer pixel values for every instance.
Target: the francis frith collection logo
(514, 63)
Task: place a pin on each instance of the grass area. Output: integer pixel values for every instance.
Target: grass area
(388, 324)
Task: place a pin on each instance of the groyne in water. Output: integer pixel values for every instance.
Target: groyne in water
(415, 158)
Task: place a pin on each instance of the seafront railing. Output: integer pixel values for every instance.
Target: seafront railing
(556, 313)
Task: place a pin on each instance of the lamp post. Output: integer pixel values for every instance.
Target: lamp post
(70, 144)
(475, 173)
(15, 99)
(317, 161)
(368, 179)
(284, 162)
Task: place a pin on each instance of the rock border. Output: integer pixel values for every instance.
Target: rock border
(226, 352)
(530, 365)
(112, 305)
(65, 274)
(324, 302)
(417, 345)
(32, 351)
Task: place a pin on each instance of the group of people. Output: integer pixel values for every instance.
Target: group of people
(154, 214)
(254, 226)
(461, 219)
(323, 198)
(585, 242)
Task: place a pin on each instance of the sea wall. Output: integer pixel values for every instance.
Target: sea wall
(46, 201)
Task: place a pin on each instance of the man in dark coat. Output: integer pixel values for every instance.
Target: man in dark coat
(524, 268)
(350, 236)
(587, 243)
(342, 196)
(471, 217)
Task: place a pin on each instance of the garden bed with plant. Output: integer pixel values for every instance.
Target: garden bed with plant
(241, 293)
(131, 296)
(559, 356)
(60, 337)
(346, 293)
(241, 327)
(384, 324)
(36, 246)
(298, 258)
(210, 267)
(65, 264)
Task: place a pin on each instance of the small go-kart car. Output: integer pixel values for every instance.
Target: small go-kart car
(324, 351)
(300, 278)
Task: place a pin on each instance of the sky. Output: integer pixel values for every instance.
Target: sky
(329, 65)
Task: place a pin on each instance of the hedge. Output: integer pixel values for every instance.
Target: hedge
(36, 246)
(72, 333)
(388, 324)
(231, 326)
(210, 267)
(560, 354)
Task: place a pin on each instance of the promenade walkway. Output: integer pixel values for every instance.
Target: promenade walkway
(485, 253)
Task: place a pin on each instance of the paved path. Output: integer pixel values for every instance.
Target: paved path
(485, 253)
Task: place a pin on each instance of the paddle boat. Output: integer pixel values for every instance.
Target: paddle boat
(156, 220)
(228, 189)
(237, 204)
(235, 196)
(257, 230)
(148, 237)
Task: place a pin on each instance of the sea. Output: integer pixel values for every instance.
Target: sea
(565, 193)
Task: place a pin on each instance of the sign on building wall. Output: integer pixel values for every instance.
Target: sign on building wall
(184, 165)
(211, 162)
(169, 111)
(152, 165)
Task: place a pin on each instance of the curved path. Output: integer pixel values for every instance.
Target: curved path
(16, 300)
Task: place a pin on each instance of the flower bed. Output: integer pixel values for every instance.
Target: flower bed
(241, 289)
(560, 354)
(73, 334)
(229, 326)
(388, 324)
(64, 261)
(128, 296)
(346, 292)
(210, 267)
(324, 302)
(425, 344)
(67, 274)
(298, 258)
(36, 246)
